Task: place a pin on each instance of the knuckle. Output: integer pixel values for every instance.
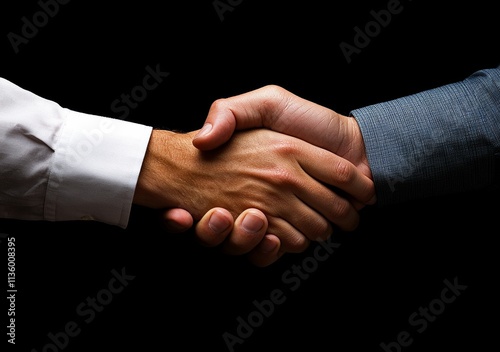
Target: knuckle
(298, 244)
(274, 93)
(274, 89)
(318, 229)
(274, 100)
(340, 208)
(284, 146)
(315, 227)
(219, 104)
(343, 215)
(344, 171)
(284, 177)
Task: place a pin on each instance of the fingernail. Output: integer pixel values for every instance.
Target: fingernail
(218, 223)
(205, 130)
(252, 223)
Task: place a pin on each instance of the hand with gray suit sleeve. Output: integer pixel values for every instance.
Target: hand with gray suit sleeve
(436, 142)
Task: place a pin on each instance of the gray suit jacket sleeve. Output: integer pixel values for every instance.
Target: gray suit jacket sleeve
(437, 142)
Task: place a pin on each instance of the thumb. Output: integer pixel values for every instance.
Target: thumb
(217, 130)
(240, 112)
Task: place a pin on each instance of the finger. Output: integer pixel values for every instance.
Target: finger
(249, 229)
(292, 240)
(304, 217)
(176, 220)
(266, 252)
(339, 180)
(214, 227)
(337, 172)
(322, 206)
(357, 204)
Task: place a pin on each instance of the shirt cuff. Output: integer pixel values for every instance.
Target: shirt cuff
(95, 169)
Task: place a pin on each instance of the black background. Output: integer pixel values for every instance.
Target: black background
(184, 296)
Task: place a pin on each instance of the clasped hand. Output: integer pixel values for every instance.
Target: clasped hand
(299, 182)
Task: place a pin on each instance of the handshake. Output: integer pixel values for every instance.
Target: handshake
(268, 173)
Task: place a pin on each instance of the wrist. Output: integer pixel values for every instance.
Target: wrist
(155, 183)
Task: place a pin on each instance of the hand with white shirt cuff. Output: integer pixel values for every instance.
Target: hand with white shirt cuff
(262, 193)
(257, 172)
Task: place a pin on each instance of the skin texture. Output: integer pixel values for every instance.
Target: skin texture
(285, 178)
(273, 107)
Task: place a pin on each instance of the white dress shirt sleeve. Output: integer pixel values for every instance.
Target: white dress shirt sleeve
(57, 164)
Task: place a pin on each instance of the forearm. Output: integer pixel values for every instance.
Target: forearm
(436, 142)
(57, 164)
